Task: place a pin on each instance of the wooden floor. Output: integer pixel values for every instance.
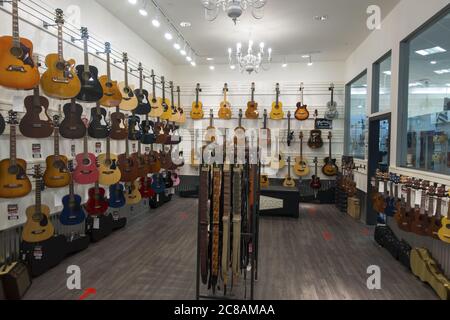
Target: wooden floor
(323, 255)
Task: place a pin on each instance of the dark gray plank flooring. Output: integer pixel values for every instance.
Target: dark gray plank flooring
(323, 255)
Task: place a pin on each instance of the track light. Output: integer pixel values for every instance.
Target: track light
(156, 23)
(168, 36)
(183, 52)
(193, 63)
(212, 68)
(143, 12)
(177, 46)
(132, 1)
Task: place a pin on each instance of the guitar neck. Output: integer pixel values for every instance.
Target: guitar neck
(12, 145)
(36, 97)
(126, 72)
(108, 148)
(127, 148)
(108, 66)
(56, 142)
(71, 189)
(15, 23)
(85, 147)
(60, 42)
(38, 194)
(141, 79)
(86, 56)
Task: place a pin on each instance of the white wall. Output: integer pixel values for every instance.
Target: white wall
(404, 19)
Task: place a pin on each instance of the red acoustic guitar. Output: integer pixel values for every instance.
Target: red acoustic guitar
(86, 171)
(96, 204)
(315, 180)
(146, 187)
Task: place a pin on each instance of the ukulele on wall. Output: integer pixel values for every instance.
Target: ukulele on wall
(225, 106)
(86, 171)
(277, 112)
(91, 89)
(315, 139)
(315, 180)
(60, 81)
(252, 106)
(155, 102)
(111, 93)
(72, 127)
(332, 112)
(301, 167)
(288, 181)
(143, 106)
(197, 105)
(56, 174)
(17, 68)
(36, 122)
(38, 227)
(98, 128)
(14, 182)
(330, 169)
(73, 212)
(129, 100)
(302, 112)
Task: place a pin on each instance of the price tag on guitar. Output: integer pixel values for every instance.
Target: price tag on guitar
(13, 212)
(96, 223)
(36, 150)
(17, 103)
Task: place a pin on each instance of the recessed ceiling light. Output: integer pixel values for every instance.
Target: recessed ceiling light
(185, 24)
(433, 62)
(193, 63)
(310, 64)
(284, 65)
(212, 67)
(168, 36)
(143, 12)
(177, 46)
(183, 52)
(209, 59)
(427, 52)
(188, 58)
(442, 71)
(232, 67)
(132, 1)
(156, 23)
(321, 18)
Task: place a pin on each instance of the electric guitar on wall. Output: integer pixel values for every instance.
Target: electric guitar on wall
(129, 100)
(86, 171)
(38, 227)
(252, 106)
(60, 81)
(155, 102)
(302, 112)
(118, 126)
(330, 169)
(289, 182)
(277, 112)
(225, 106)
(315, 180)
(111, 93)
(315, 139)
(197, 105)
(91, 89)
(98, 128)
(165, 102)
(56, 174)
(73, 212)
(332, 112)
(96, 204)
(72, 127)
(182, 114)
(36, 122)
(14, 182)
(143, 106)
(17, 68)
(109, 172)
(301, 167)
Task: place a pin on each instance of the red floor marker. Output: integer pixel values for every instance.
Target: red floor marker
(366, 232)
(327, 236)
(87, 293)
(184, 216)
(312, 211)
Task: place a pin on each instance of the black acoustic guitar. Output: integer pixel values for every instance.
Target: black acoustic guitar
(147, 136)
(134, 127)
(91, 89)
(2, 124)
(142, 95)
(98, 128)
(72, 127)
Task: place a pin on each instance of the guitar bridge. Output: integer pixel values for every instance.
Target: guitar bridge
(13, 186)
(58, 80)
(12, 68)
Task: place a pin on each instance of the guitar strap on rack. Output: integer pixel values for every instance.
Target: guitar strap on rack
(217, 190)
(203, 217)
(237, 206)
(226, 223)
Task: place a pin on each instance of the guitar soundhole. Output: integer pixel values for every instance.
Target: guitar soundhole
(60, 165)
(17, 52)
(86, 162)
(86, 76)
(108, 163)
(13, 170)
(109, 85)
(60, 65)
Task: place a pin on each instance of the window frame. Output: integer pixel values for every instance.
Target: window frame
(376, 83)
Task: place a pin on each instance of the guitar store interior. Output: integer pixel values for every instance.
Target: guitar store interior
(213, 150)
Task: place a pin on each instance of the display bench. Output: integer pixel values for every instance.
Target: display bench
(291, 202)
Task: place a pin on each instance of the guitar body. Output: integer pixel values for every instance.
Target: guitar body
(60, 80)
(91, 89)
(86, 171)
(277, 163)
(154, 164)
(146, 188)
(403, 219)
(54, 176)
(277, 112)
(37, 230)
(302, 112)
(182, 116)
(143, 106)
(418, 225)
(14, 183)
(128, 168)
(315, 140)
(72, 127)
(264, 181)
(225, 111)
(116, 196)
(132, 195)
(141, 164)
(17, 72)
(197, 111)
(330, 168)
(36, 123)
(444, 231)
(2, 124)
(316, 184)
(332, 112)
(167, 111)
(72, 213)
(118, 128)
(289, 182)
(147, 136)
(252, 110)
(96, 204)
(158, 184)
(129, 101)
(111, 93)
(166, 160)
(156, 108)
(109, 172)
(98, 128)
(301, 167)
(134, 128)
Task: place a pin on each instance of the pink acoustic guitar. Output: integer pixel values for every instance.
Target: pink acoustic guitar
(86, 171)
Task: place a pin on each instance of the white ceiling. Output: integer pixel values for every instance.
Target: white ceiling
(288, 27)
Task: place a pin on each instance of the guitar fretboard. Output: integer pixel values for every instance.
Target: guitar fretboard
(60, 43)
(15, 23)
(108, 66)
(86, 56)
(12, 145)
(56, 142)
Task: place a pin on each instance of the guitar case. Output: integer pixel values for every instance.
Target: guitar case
(99, 227)
(404, 255)
(118, 222)
(327, 196)
(78, 244)
(386, 238)
(41, 257)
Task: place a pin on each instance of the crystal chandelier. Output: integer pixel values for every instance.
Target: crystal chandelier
(233, 8)
(249, 62)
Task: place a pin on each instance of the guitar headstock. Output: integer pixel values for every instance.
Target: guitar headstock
(432, 190)
(140, 68)
(253, 87)
(12, 118)
(198, 89)
(56, 121)
(289, 115)
(163, 82)
(265, 114)
(125, 57)
(316, 113)
(225, 88)
(301, 87)
(37, 171)
(331, 87)
(59, 16)
(107, 47)
(301, 136)
(316, 161)
(277, 88)
(240, 114)
(84, 33)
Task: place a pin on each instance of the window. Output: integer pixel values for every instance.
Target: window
(425, 97)
(357, 117)
(382, 71)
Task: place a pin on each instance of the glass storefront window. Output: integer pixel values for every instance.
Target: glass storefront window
(427, 83)
(382, 85)
(358, 126)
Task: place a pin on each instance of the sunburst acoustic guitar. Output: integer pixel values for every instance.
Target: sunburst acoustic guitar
(302, 112)
(252, 105)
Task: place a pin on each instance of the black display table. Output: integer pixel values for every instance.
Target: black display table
(291, 201)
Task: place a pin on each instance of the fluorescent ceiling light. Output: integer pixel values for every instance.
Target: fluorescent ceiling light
(156, 23)
(143, 12)
(442, 71)
(132, 1)
(193, 63)
(168, 36)
(415, 84)
(183, 52)
(185, 24)
(433, 62)
(427, 52)
(212, 67)
(448, 84)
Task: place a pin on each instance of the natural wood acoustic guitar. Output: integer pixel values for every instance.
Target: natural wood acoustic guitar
(302, 112)
(277, 112)
(225, 112)
(129, 99)
(155, 102)
(197, 105)
(111, 93)
(252, 106)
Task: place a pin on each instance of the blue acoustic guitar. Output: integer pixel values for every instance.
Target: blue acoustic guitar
(116, 196)
(158, 183)
(73, 212)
